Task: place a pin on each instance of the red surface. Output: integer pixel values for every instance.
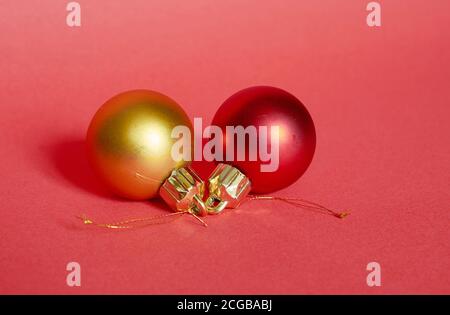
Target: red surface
(379, 99)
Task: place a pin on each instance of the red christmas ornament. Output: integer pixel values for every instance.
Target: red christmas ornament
(270, 106)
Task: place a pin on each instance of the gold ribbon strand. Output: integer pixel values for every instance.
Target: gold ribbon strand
(302, 203)
(141, 222)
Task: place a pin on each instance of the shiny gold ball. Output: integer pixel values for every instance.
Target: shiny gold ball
(129, 142)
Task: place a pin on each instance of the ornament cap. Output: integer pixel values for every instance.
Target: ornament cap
(183, 192)
(228, 187)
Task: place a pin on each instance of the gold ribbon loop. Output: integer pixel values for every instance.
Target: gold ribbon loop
(184, 192)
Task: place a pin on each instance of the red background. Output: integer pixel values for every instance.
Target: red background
(379, 98)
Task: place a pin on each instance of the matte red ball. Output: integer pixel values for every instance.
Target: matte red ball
(270, 106)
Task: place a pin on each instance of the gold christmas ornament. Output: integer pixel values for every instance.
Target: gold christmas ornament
(129, 142)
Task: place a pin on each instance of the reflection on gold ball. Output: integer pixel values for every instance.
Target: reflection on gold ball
(129, 142)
